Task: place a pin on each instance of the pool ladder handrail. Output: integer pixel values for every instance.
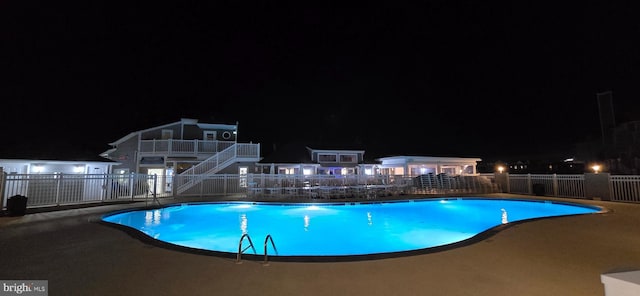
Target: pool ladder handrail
(240, 250)
(266, 241)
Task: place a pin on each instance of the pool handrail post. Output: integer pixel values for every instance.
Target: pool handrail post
(266, 240)
(240, 250)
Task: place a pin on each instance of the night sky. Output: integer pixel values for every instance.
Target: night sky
(445, 78)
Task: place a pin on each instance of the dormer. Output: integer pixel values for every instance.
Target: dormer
(336, 157)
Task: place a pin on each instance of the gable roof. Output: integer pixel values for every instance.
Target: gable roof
(288, 153)
(54, 152)
(184, 121)
(133, 134)
(300, 152)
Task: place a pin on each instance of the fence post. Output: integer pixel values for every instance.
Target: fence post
(105, 187)
(58, 184)
(3, 178)
(131, 184)
(529, 186)
(201, 186)
(155, 187)
(555, 185)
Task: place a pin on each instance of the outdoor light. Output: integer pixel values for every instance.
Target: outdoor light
(38, 168)
(501, 169)
(596, 168)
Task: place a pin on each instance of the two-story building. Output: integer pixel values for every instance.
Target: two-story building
(186, 147)
(187, 154)
(298, 158)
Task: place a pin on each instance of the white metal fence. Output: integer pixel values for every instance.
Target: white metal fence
(331, 186)
(69, 189)
(553, 185)
(444, 183)
(66, 189)
(45, 190)
(623, 188)
(326, 186)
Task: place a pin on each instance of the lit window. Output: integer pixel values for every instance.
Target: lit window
(38, 169)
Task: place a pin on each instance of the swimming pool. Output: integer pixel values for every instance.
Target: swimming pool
(332, 230)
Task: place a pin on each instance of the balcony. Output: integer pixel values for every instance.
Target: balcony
(182, 148)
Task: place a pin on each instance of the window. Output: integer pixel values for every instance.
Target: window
(348, 158)
(327, 158)
(167, 134)
(209, 135)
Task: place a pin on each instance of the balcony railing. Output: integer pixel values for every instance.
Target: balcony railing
(182, 147)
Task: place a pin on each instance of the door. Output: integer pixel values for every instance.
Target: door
(159, 184)
(242, 171)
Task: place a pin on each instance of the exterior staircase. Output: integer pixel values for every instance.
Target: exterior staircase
(237, 152)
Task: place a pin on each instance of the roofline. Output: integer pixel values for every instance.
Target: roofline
(429, 158)
(58, 161)
(217, 126)
(183, 121)
(336, 150)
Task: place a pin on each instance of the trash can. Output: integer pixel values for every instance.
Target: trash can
(17, 205)
(538, 189)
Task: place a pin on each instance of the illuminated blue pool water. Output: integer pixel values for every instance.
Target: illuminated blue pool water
(336, 229)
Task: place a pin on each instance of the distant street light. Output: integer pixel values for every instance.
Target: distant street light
(501, 169)
(596, 168)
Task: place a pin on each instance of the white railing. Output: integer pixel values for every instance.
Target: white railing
(69, 189)
(215, 163)
(569, 185)
(326, 186)
(444, 183)
(545, 184)
(519, 184)
(625, 188)
(209, 185)
(182, 147)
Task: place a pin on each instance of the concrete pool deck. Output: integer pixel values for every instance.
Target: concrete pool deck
(555, 256)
